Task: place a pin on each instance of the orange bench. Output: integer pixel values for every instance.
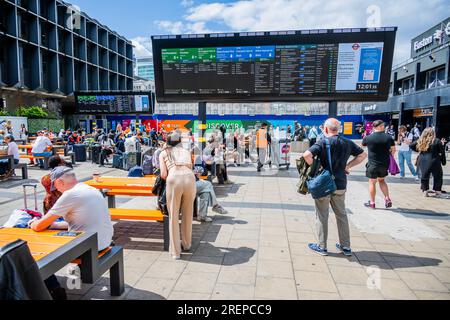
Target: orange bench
(27, 156)
(143, 215)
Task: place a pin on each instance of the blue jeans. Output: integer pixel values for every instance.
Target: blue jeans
(402, 156)
(43, 154)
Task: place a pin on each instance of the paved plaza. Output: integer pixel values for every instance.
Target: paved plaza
(259, 250)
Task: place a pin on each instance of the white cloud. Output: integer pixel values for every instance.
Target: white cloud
(187, 3)
(412, 17)
(179, 27)
(143, 46)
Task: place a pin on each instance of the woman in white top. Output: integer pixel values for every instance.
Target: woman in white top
(176, 168)
(404, 141)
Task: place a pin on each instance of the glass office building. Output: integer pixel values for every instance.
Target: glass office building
(144, 68)
(49, 50)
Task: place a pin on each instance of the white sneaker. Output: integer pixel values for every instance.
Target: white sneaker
(219, 210)
(205, 219)
(416, 178)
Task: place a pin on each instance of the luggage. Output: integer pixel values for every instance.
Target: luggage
(129, 160)
(118, 161)
(80, 152)
(96, 150)
(136, 172)
(148, 165)
(139, 158)
(34, 186)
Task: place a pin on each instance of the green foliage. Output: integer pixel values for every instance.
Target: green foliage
(34, 112)
(4, 113)
(35, 125)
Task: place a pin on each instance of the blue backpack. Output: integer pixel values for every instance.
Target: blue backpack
(136, 172)
(323, 185)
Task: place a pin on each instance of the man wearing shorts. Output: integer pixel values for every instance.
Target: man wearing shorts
(380, 146)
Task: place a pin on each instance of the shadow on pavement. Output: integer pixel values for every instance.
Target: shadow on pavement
(231, 256)
(422, 214)
(259, 205)
(395, 261)
(219, 220)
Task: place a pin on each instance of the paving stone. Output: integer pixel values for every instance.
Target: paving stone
(237, 275)
(354, 292)
(275, 288)
(314, 281)
(270, 268)
(422, 281)
(223, 291)
(317, 295)
(196, 282)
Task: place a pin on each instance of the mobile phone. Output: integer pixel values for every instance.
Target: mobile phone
(68, 234)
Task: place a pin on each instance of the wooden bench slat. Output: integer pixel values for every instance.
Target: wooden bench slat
(100, 254)
(125, 192)
(135, 214)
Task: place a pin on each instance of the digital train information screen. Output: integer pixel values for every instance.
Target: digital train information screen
(297, 67)
(114, 103)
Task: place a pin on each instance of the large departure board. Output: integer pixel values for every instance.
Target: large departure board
(123, 103)
(323, 66)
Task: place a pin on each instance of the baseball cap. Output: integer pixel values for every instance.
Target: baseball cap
(57, 173)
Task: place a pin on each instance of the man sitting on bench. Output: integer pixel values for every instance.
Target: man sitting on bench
(81, 206)
(206, 197)
(13, 150)
(40, 146)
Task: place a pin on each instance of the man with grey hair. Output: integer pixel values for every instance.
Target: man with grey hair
(341, 150)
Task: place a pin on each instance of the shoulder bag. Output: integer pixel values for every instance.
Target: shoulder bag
(323, 185)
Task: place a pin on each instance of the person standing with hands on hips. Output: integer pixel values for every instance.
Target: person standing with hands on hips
(341, 150)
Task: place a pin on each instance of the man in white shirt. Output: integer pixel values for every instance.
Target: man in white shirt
(81, 206)
(40, 147)
(13, 148)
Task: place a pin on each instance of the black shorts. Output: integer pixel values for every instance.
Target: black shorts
(376, 171)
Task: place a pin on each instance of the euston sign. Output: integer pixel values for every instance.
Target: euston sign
(431, 39)
(423, 43)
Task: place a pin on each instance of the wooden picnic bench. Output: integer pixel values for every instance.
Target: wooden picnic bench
(53, 252)
(27, 156)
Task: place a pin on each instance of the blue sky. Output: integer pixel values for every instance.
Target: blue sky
(139, 19)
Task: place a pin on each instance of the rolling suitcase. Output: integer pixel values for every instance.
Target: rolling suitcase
(148, 165)
(118, 161)
(96, 150)
(129, 160)
(33, 213)
(34, 186)
(80, 152)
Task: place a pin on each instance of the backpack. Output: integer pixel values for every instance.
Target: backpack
(136, 172)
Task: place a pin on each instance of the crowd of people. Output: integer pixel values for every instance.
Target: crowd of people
(75, 206)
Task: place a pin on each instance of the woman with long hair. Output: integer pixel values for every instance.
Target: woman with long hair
(176, 168)
(430, 161)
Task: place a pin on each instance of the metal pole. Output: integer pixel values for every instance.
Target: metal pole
(332, 109)
(202, 124)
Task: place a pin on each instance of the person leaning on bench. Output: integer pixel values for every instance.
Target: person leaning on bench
(81, 206)
(176, 168)
(40, 146)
